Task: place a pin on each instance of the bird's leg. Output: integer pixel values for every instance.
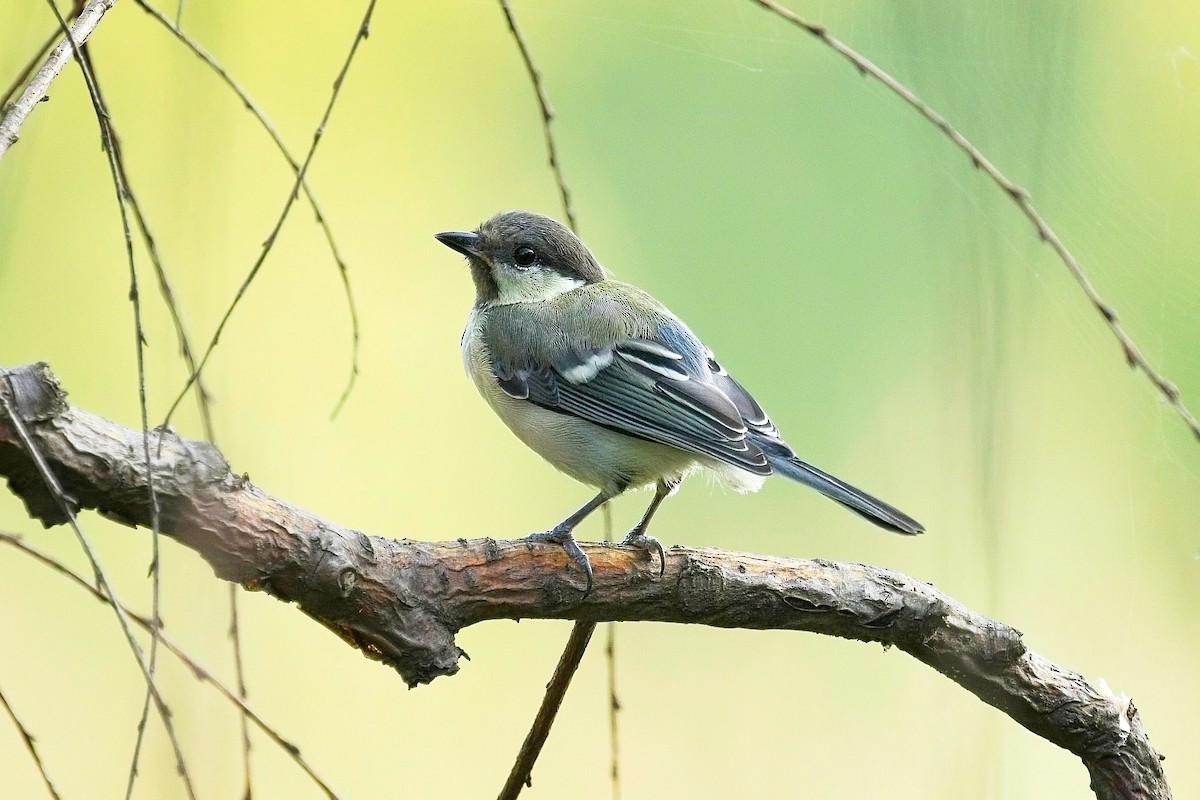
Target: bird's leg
(638, 536)
(561, 534)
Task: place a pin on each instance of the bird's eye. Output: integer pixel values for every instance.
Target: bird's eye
(524, 256)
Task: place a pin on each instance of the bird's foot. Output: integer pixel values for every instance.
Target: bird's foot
(643, 541)
(564, 538)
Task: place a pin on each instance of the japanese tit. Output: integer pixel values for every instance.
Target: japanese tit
(610, 387)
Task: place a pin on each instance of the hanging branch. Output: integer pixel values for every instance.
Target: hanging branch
(203, 402)
(360, 35)
(581, 633)
(110, 148)
(614, 704)
(201, 673)
(31, 746)
(568, 664)
(401, 602)
(265, 123)
(535, 78)
(868, 68)
(30, 66)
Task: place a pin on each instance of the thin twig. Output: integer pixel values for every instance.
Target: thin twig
(235, 636)
(556, 690)
(202, 673)
(113, 144)
(203, 395)
(298, 169)
(535, 76)
(264, 121)
(614, 705)
(30, 745)
(1133, 355)
(581, 634)
(30, 65)
(203, 401)
(110, 147)
(15, 114)
(66, 508)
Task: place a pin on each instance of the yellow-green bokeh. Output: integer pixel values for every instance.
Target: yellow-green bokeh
(890, 307)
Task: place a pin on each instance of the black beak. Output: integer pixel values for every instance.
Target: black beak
(464, 242)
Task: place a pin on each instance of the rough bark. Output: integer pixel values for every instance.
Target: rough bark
(401, 601)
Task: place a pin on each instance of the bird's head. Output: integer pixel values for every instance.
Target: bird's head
(523, 257)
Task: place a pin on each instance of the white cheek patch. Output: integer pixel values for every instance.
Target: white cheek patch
(531, 286)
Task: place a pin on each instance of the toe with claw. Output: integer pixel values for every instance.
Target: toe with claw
(644, 541)
(568, 543)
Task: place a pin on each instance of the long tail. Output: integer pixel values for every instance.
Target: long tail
(858, 501)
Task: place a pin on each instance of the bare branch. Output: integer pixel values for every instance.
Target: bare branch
(581, 634)
(535, 77)
(568, 664)
(14, 116)
(28, 69)
(31, 746)
(239, 671)
(402, 602)
(610, 662)
(111, 149)
(203, 401)
(1133, 354)
(167, 290)
(363, 31)
(259, 114)
(202, 673)
(614, 708)
(521, 774)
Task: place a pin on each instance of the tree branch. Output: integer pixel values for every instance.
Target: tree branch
(30, 66)
(14, 116)
(521, 774)
(1133, 354)
(535, 78)
(402, 601)
(31, 746)
(310, 194)
(201, 673)
(360, 36)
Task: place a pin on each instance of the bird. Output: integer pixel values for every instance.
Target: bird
(606, 384)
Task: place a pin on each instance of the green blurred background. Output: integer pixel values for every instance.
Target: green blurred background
(890, 307)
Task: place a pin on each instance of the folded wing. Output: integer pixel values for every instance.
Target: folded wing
(643, 387)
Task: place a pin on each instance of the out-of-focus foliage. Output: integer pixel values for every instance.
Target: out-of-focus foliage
(889, 306)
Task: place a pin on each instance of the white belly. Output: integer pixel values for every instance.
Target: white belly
(587, 452)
